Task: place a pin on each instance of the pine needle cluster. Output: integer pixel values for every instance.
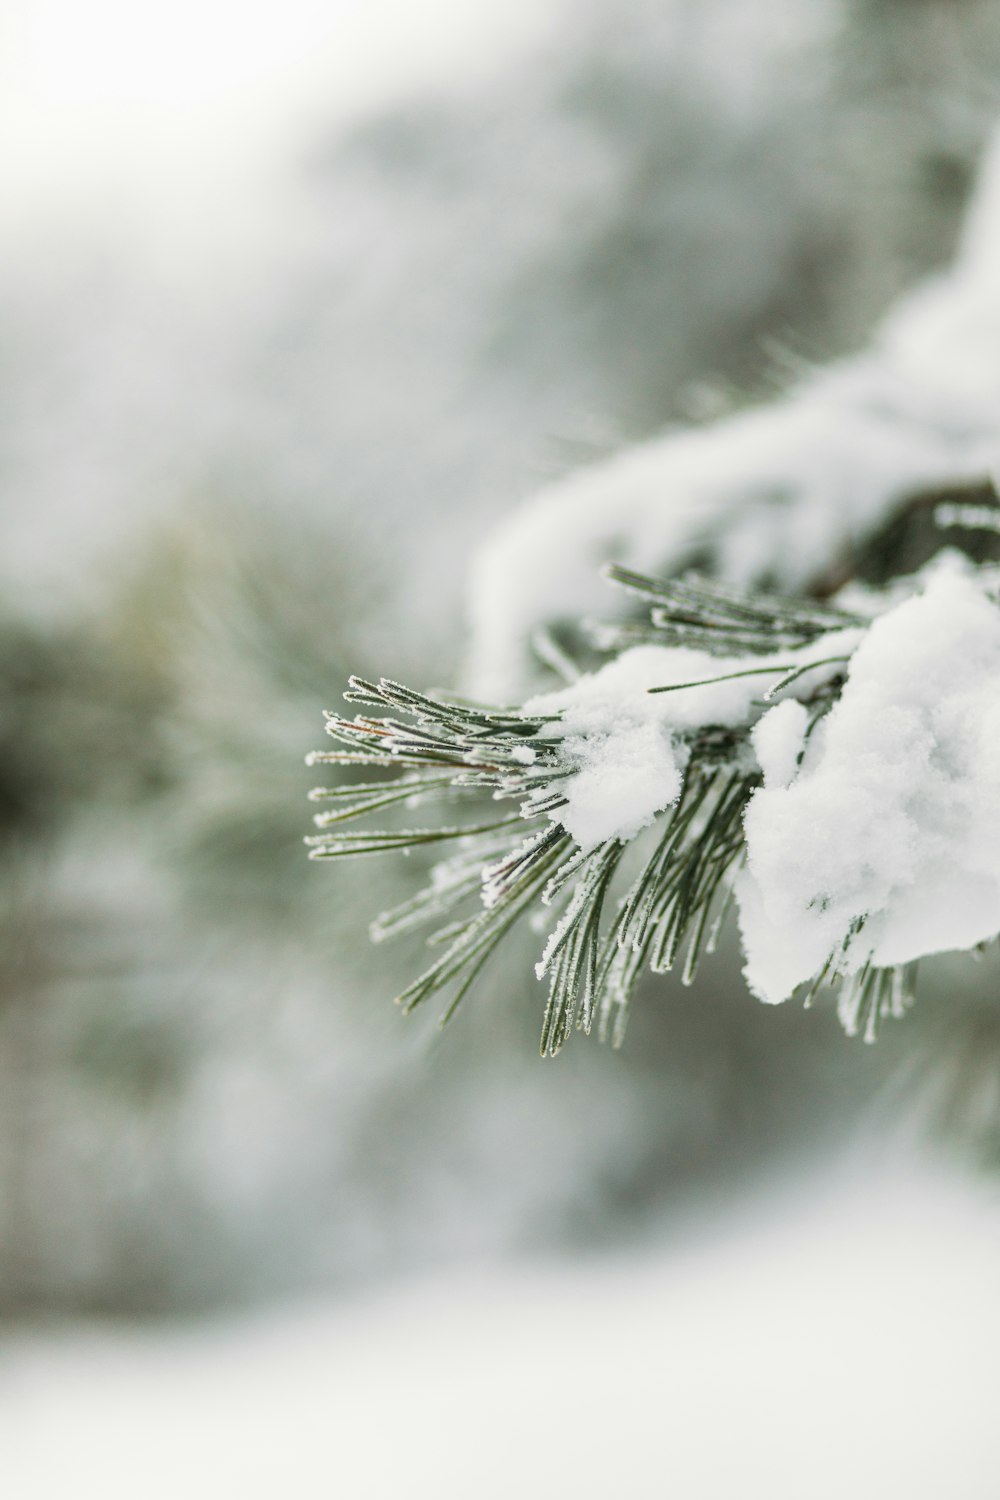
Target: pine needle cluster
(657, 902)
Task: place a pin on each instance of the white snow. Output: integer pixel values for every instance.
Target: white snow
(625, 739)
(894, 815)
(838, 1340)
(776, 491)
(778, 738)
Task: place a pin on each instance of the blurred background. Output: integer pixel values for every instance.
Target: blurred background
(295, 301)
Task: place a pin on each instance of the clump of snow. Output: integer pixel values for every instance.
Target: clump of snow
(894, 814)
(626, 741)
(775, 492)
(778, 739)
(626, 777)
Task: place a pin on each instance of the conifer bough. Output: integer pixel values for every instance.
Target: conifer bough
(829, 768)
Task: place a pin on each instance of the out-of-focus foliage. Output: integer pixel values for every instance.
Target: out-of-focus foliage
(205, 1090)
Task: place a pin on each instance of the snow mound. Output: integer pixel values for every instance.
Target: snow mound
(885, 843)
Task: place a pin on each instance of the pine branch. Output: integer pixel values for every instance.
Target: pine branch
(612, 911)
(718, 618)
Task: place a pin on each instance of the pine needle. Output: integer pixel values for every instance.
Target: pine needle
(613, 911)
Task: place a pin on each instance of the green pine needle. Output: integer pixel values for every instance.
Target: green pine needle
(614, 911)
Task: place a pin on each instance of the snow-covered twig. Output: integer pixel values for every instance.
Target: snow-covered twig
(778, 493)
(833, 769)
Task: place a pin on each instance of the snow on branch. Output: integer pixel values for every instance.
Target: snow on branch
(777, 493)
(832, 766)
(824, 755)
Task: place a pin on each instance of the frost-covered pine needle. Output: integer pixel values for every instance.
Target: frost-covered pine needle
(611, 811)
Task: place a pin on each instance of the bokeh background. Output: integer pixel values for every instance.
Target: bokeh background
(295, 302)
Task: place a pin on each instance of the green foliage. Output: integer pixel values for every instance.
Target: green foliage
(610, 912)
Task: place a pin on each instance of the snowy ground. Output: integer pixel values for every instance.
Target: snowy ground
(831, 1341)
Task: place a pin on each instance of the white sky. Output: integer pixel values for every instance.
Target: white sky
(116, 112)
